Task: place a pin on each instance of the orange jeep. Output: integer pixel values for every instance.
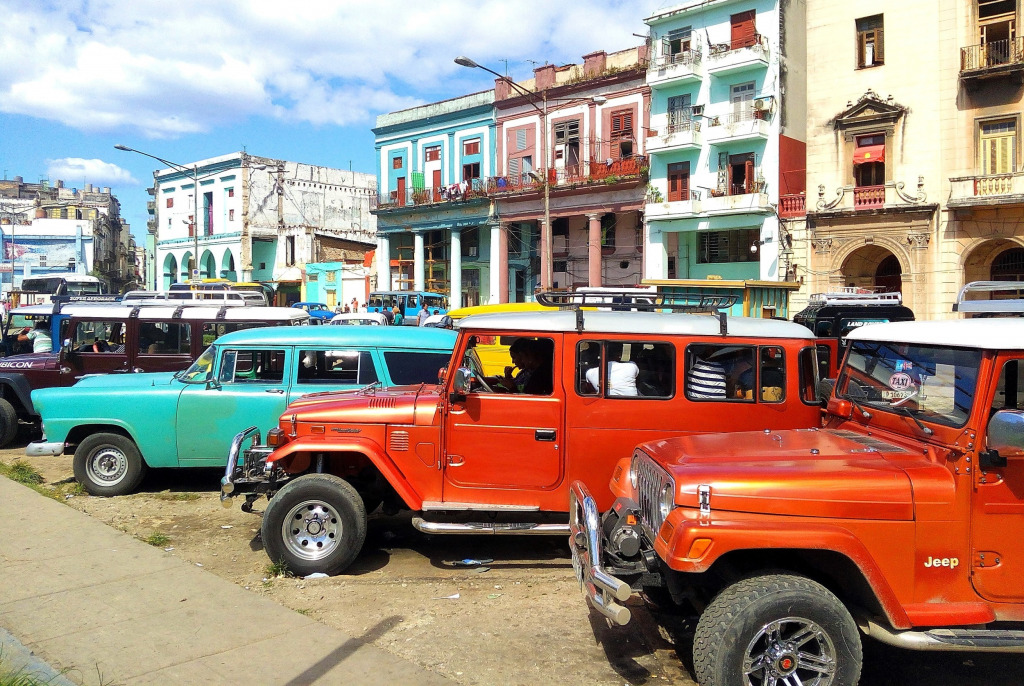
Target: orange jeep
(478, 454)
(902, 517)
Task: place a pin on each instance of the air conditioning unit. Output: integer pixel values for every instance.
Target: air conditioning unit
(762, 104)
(697, 110)
(472, 251)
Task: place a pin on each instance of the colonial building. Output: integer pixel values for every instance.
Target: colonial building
(726, 139)
(259, 219)
(435, 226)
(50, 229)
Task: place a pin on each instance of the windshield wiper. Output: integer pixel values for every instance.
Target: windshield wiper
(860, 408)
(906, 411)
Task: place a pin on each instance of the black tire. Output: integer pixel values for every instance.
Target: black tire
(315, 523)
(108, 464)
(762, 615)
(8, 423)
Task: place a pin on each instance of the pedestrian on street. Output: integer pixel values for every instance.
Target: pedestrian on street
(421, 319)
(399, 318)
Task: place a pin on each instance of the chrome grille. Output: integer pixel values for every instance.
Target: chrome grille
(650, 479)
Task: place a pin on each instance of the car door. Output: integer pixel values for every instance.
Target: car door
(97, 347)
(505, 447)
(248, 386)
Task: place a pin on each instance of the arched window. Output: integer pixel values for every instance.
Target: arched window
(1009, 265)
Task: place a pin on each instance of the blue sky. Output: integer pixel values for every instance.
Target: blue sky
(191, 79)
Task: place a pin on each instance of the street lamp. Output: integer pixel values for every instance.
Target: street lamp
(546, 246)
(192, 174)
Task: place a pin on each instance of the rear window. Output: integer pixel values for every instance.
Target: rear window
(408, 368)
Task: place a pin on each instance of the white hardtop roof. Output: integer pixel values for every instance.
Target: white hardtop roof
(662, 323)
(990, 334)
(162, 312)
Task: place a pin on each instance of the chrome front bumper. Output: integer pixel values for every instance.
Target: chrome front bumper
(227, 482)
(44, 449)
(604, 591)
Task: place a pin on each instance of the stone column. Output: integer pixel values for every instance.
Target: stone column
(594, 249)
(655, 257)
(419, 280)
(383, 264)
(455, 296)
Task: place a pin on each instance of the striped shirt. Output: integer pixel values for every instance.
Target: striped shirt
(706, 380)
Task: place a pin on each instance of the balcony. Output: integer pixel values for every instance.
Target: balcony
(891, 196)
(995, 59)
(684, 134)
(726, 58)
(980, 191)
(454, 193)
(737, 201)
(743, 125)
(792, 205)
(674, 209)
(682, 67)
(868, 197)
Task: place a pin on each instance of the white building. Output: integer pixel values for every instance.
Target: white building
(259, 219)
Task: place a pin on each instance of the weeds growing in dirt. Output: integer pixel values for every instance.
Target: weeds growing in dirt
(180, 497)
(21, 472)
(157, 540)
(277, 569)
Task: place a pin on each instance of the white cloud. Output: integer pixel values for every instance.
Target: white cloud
(97, 172)
(104, 65)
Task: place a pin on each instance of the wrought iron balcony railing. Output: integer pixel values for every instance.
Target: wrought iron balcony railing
(992, 55)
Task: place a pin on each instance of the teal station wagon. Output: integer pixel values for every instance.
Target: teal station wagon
(117, 425)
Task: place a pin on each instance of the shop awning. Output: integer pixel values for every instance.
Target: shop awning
(869, 153)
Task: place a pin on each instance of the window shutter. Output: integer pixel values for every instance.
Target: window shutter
(513, 166)
(743, 30)
(521, 139)
(748, 176)
(879, 46)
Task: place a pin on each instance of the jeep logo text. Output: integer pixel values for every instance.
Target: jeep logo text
(951, 562)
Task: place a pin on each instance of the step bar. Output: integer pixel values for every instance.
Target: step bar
(491, 528)
(960, 640)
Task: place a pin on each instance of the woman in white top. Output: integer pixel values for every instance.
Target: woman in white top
(621, 375)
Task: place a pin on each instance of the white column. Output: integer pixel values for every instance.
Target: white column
(455, 297)
(655, 253)
(494, 297)
(383, 264)
(419, 280)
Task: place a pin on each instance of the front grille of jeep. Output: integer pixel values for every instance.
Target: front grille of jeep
(650, 480)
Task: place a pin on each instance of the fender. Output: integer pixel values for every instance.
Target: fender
(18, 386)
(366, 447)
(679, 534)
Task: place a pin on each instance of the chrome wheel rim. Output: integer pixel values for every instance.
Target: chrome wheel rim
(311, 530)
(107, 466)
(790, 651)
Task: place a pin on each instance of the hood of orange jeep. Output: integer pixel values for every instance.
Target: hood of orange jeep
(800, 472)
(397, 405)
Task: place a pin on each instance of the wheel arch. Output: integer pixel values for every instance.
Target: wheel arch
(15, 389)
(79, 433)
(300, 456)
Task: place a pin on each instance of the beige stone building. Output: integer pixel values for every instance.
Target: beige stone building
(913, 150)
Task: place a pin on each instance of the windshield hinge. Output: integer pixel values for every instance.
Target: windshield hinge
(704, 498)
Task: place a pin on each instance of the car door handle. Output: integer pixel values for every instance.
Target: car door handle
(274, 390)
(544, 434)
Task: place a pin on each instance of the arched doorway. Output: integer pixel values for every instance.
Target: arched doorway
(169, 272)
(873, 267)
(227, 266)
(186, 262)
(208, 266)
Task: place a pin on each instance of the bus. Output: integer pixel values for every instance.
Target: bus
(37, 290)
(409, 302)
(221, 285)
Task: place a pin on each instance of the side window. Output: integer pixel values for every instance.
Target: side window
(532, 369)
(214, 330)
(165, 338)
(824, 355)
(252, 366)
(354, 367)
(406, 368)
(99, 337)
(810, 361)
(773, 374)
(629, 369)
(720, 372)
(1010, 391)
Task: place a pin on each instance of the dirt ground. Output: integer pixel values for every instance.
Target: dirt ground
(517, 620)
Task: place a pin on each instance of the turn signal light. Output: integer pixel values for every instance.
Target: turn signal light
(276, 438)
(698, 548)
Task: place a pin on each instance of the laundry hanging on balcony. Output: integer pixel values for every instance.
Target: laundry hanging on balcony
(869, 153)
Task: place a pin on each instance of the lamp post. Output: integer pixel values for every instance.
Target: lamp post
(546, 243)
(194, 175)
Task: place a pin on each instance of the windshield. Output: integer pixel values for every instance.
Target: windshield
(201, 368)
(932, 383)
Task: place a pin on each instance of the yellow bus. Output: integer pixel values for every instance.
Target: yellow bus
(493, 353)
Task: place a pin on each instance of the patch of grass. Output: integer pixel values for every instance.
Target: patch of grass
(21, 472)
(157, 540)
(277, 569)
(176, 497)
(305, 611)
(23, 677)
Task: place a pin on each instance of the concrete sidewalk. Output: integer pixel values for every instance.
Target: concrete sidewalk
(114, 610)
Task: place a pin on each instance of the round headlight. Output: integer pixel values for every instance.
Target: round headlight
(632, 473)
(667, 501)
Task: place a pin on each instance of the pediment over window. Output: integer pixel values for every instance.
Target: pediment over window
(870, 112)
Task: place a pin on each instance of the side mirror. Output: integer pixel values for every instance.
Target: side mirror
(1006, 432)
(461, 384)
